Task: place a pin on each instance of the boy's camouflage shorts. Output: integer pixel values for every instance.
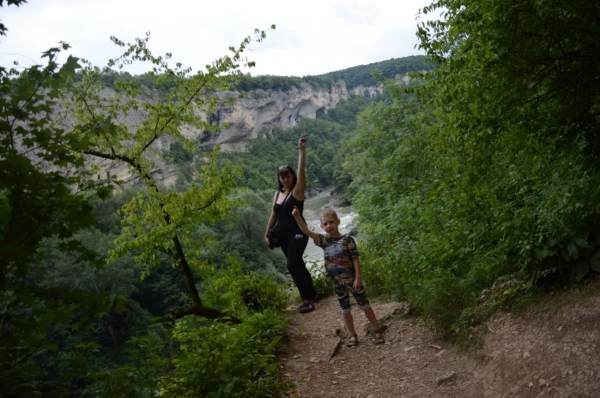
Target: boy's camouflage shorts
(342, 292)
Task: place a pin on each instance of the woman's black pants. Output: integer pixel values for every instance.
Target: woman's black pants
(293, 247)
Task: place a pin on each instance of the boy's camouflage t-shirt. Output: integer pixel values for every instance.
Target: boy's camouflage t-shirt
(338, 256)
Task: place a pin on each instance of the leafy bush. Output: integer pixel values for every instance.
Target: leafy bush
(322, 285)
(239, 292)
(223, 361)
(443, 298)
(202, 358)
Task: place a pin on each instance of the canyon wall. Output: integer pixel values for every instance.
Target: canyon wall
(258, 111)
(263, 110)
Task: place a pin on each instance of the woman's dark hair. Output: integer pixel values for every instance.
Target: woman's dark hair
(283, 170)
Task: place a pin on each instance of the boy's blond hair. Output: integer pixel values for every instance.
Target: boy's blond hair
(328, 211)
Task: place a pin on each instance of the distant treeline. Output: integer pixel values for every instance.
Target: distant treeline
(362, 75)
(283, 83)
(163, 83)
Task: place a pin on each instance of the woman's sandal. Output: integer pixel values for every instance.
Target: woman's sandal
(378, 337)
(352, 341)
(306, 307)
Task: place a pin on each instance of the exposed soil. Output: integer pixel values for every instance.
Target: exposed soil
(551, 350)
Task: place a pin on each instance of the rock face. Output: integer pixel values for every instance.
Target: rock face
(367, 91)
(264, 110)
(260, 110)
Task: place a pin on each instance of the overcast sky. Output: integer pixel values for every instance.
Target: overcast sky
(312, 36)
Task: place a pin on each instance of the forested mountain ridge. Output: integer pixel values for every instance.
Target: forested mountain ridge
(362, 75)
(255, 105)
(269, 102)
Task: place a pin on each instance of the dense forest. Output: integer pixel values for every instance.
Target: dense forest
(363, 75)
(484, 170)
(163, 84)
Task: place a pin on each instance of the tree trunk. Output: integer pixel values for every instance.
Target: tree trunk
(113, 339)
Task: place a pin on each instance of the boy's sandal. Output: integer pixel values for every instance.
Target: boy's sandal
(352, 341)
(378, 337)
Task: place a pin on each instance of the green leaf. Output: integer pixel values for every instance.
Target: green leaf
(120, 304)
(581, 269)
(571, 251)
(595, 264)
(229, 387)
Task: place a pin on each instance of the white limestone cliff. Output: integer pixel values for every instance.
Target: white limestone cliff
(259, 111)
(263, 110)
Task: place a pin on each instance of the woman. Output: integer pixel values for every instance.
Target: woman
(293, 241)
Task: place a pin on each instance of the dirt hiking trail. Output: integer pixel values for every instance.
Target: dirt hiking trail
(552, 350)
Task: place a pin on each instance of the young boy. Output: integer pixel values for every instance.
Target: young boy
(343, 269)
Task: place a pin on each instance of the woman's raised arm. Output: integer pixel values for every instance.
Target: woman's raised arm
(301, 183)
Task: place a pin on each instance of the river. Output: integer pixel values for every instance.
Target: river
(312, 208)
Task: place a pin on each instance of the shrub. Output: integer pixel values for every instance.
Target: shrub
(202, 358)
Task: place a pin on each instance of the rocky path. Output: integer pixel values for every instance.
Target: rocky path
(539, 354)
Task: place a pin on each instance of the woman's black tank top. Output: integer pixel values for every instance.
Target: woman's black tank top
(287, 222)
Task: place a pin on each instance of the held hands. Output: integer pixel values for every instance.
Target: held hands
(302, 141)
(296, 212)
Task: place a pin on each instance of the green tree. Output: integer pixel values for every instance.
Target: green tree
(242, 237)
(492, 169)
(515, 99)
(51, 280)
(45, 201)
(158, 220)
